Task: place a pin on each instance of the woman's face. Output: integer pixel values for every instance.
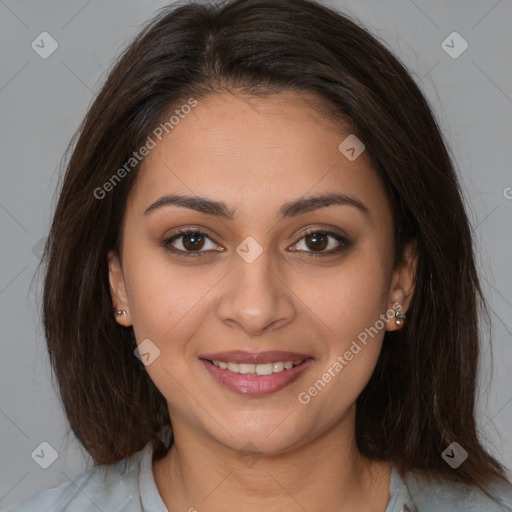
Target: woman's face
(268, 276)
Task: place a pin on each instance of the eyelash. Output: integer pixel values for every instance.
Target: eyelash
(344, 243)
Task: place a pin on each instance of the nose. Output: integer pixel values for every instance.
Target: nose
(256, 297)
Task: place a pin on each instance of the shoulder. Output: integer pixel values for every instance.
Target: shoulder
(436, 495)
(107, 487)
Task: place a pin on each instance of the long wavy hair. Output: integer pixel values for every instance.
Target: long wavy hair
(421, 396)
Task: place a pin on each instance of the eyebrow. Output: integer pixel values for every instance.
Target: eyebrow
(290, 209)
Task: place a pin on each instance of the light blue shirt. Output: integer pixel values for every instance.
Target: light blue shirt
(129, 486)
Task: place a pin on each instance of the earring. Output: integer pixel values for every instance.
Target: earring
(120, 312)
(399, 319)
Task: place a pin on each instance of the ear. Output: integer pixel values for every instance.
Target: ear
(403, 282)
(118, 289)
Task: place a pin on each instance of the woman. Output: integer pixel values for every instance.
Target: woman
(260, 288)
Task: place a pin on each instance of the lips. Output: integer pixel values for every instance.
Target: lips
(259, 383)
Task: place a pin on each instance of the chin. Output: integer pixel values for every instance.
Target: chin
(274, 439)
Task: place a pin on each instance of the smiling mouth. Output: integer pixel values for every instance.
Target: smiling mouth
(252, 369)
(273, 371)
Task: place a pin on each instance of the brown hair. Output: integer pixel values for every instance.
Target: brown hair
(421, 396)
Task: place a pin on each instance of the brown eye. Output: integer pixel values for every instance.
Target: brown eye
(188, 242)
(317, 241)
(193, 241)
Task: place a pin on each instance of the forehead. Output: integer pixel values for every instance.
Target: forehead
(256, 153)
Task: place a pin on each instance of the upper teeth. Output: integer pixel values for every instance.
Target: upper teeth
(257, 369)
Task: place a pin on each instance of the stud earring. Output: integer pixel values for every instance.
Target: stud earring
(400, 319)
(120, 312)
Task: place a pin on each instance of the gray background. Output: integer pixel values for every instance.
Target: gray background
(43, 101)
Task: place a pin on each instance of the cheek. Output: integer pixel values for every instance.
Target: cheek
(163, 294)
(349, 297)
(349, 302)
(355, 317)
(338, 384)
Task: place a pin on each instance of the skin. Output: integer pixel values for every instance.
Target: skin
(255, 154)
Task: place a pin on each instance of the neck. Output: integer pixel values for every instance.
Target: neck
(327, 473)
